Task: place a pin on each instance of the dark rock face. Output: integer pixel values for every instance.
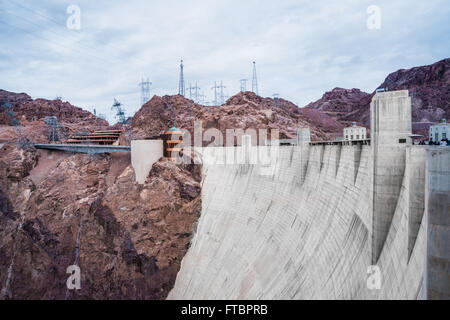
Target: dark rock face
(429, 87)
(340, 103)
(127, 239)
(13, 98)
(242, 111)
(27, 109)
(22, 117)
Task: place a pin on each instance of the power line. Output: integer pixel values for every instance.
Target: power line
(145, 91)
(276, 99)
(51, 41)
(216, 102)
(88, 49)
(222, 95)
(49, 19)
(243, 85)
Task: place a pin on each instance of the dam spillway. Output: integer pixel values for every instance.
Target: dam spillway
(305, 227)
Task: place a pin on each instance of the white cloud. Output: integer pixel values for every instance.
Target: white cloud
(302, 48)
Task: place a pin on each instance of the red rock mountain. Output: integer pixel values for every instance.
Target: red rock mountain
(30, 114)
(429, 87)
(339, 103)
(61, 209)
(242, 111)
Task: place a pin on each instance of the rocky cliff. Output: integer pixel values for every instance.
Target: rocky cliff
(242, 111)
(21, 117)
(57, 211)
(429, 87)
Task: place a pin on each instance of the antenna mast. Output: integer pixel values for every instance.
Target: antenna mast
(181, 87)
(255, 80)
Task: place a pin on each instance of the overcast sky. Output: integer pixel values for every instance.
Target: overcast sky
(302, 48)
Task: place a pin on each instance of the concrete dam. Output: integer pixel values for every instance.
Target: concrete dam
(325, 221)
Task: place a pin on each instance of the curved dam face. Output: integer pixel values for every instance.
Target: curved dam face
(302, 228)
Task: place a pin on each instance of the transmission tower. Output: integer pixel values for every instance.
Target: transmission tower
(120, 112)
(222, 95)
(145, 90)
(54, 126)
(276, 99)
(216, 102)
(202, 100)
(181, 87)
(191, 88)
(243, 85)
(194, 92)
(255, 80)
(197, 94)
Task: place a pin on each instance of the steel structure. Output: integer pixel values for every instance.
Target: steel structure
(181, 86)
(54, 126)
(276, 99)
(255, 80)
(145, 90)
(243, 85)
(215, 102)
(222, 94)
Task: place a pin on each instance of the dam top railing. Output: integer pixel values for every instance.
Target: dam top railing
(342, 142)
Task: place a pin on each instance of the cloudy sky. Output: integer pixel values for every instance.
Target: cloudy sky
(302, 48)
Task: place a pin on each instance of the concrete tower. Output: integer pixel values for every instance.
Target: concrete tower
(390, 114)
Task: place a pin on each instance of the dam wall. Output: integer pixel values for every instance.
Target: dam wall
(302, 228)
(437, 276)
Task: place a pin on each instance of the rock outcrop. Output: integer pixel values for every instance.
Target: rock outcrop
(127, 239)
(21, 117)
(429, 87)
(242, 111)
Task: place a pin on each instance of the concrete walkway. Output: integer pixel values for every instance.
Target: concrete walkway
(83, 148)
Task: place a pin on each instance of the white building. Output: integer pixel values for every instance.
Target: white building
(303, 135)
(355, 133)
(440, 131)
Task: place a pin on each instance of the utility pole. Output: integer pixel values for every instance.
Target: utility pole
(215, 93)
(222, 95)
(276, 99)
(194, 92)
(255, 80)
(181, 87)
(243, 85)
(202, 99)
(54, 126)
(145, 90)
(190, 90)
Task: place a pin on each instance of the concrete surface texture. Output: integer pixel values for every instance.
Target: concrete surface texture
(144, 153)
(390, 134)
(437, 279)
(296, 235)
(305, 226)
